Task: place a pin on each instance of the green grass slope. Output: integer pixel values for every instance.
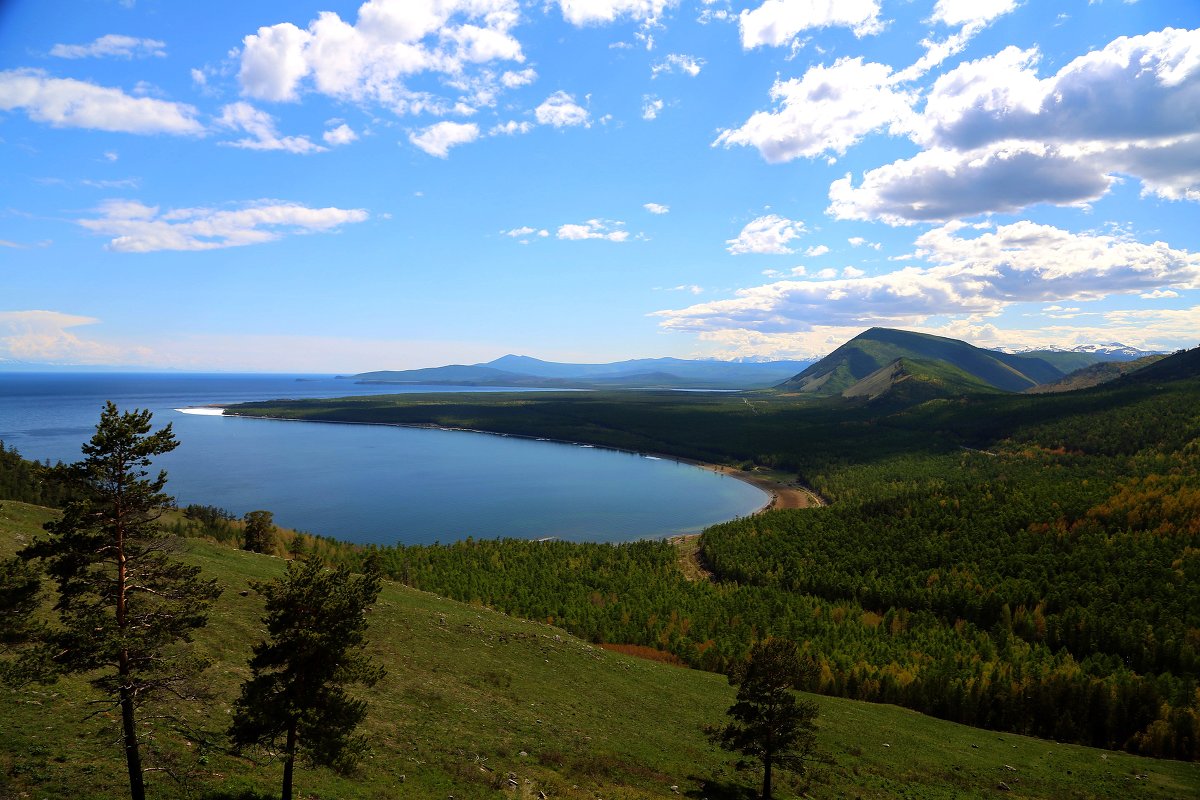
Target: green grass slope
(473, 696)
(876, 348)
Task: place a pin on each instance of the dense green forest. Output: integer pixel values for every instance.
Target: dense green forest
(1023, 563)
(1029, 564)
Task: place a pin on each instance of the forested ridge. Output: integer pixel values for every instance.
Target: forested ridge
(1023, 563)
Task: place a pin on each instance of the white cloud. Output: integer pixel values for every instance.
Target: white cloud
(828, 110)
(274, 61)
(656, 208)
(859, 241)
(391, 43)
(112, 45)
(561, 110)
(514, 80)
(511, 128)
(1158, 294)
(68, 103)
(964, 275)
(766, 235)
(242, 116)
(971, 12)
(47, 337)
(651, 106)
(944, 184)
(816, 250)
(589, 12)
(525, 231)
(852, 272)
(609, 230)
(1000, 138)
(437, 139)
(676, 62)
(138, 228)
(342, 134)
(776, 22)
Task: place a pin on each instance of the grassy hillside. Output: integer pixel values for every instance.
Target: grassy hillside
(473, 696)
(876, 348)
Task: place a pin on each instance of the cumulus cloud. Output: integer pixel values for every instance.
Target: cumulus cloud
(260, 126)
(113, 45)
(676, 62)
(561, 110)
(592, 12)
(976, 274)
(609, 230)
(342, 134)
(944, 184)
(827, 111)
(999, 138)
(776, 22)
(766, 235)
(68, 103)
(656, 208)
(138, 228)
(390, 43)
(816, 250)
(437, 139)
(514, 80)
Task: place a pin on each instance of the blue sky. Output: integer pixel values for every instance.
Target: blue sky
(344, 186)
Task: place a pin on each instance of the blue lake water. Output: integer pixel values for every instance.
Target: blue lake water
(367, 483)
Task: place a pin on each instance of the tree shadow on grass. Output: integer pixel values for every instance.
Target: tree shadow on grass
(718, 789)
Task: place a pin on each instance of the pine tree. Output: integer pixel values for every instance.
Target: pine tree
(124, 604)
(296, 696)
(259, 534)
(769, 722)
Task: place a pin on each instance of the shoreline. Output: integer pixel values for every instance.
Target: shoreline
(779, 494)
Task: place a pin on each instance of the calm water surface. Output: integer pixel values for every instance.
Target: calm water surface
(372, 484)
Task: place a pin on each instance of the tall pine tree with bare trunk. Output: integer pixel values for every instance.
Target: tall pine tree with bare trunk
(124, 605)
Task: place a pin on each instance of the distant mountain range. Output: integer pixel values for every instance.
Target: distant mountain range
(1113, 351)
(653, 373)
(929, 365)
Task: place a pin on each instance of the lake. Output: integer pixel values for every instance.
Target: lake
(367, 483)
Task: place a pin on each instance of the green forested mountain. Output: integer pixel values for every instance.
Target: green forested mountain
(879, 347)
